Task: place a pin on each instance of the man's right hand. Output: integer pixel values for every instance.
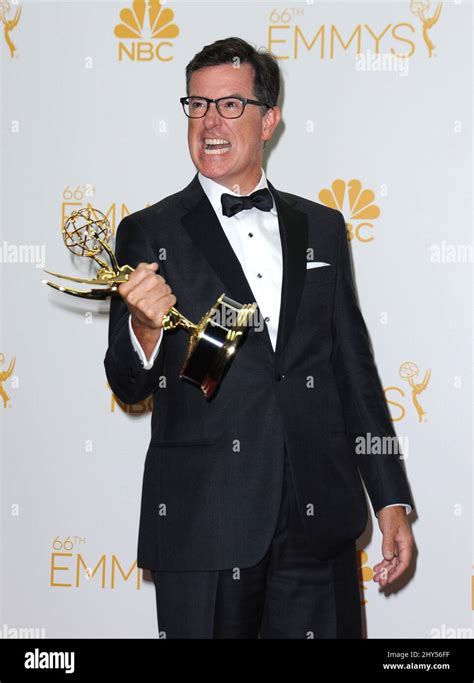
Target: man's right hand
(148, 297)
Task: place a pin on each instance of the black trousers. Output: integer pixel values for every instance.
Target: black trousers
(288, 594)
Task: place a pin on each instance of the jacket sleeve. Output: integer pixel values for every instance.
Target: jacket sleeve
(127, 377)
(365, 407)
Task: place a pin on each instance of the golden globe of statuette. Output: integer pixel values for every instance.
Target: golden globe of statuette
(214, 340)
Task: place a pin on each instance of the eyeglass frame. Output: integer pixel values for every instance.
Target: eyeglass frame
(243, 100)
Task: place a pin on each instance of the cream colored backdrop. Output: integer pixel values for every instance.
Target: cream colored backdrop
(89, 116)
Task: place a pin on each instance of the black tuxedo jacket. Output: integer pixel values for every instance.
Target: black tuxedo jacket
(214, 469)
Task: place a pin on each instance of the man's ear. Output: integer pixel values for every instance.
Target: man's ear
(270, 121)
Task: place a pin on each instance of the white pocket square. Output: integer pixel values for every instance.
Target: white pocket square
(316, 264)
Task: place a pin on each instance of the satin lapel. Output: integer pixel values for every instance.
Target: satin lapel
(294, 240)
(207, 234)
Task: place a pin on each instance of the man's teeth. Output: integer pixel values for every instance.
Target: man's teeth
(216, 141)
(216, 146)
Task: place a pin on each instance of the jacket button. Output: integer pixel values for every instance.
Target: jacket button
(279, 377)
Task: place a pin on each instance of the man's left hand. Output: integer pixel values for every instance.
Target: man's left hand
(397, 545)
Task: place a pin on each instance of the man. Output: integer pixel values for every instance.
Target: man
(252, 501)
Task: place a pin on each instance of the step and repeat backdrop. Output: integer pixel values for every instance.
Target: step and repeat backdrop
(377, 116)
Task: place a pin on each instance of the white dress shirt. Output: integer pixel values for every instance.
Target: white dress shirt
(254, 235)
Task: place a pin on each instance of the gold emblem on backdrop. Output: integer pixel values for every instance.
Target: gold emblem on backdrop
(366, 573)
(361, 206)
(4, 375)
(420, 8)
(409, 372)
(142, 23)
(9, 23)
(139, 408)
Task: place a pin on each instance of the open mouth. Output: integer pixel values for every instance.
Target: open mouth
(215, 146)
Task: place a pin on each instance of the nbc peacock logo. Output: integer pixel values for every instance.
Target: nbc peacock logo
(362, 209)
(146, 31)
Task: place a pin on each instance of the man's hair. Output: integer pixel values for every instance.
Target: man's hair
(266, 72)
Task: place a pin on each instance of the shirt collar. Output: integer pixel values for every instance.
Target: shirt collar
(214, 191)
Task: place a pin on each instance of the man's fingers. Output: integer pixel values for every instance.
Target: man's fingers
(388, 545)
(154, 311)
(142, 271)
(397, 545)
(381, 565)
(386, 572)
(397, 571)
(391, 573)
(404, 555)
(163, 305)
(147, 295)
(147, 266)
(383, 568)
(150, 283)
(152, 307)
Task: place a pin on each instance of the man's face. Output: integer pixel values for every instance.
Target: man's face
(236, 163)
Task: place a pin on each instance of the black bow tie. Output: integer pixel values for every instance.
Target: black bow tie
(261, 199)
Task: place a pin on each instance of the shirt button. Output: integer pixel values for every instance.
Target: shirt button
(259, 275)
(267, 319)
(279, 377)
(250, 234)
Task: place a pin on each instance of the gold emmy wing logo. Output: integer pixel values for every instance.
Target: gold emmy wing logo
(409, 372)
(9, 23)
(420, 8)
(366, 573)
(362, 208)
(142, 23)
(4, 375)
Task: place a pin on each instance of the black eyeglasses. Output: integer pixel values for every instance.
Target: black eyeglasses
(228, 107)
